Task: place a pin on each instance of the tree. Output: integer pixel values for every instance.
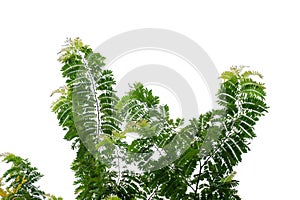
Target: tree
(203, 171)
(203, 153)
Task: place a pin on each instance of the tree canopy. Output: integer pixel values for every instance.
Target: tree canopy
(194, 161)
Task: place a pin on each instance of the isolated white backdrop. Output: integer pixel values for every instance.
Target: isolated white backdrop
(262, 34)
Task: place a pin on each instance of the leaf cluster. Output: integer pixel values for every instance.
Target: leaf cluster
(19, 181)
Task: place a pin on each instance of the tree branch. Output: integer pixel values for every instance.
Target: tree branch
(198, 180)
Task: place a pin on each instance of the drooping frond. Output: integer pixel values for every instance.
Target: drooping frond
(21, 180)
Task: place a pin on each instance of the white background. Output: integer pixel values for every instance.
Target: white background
(262, 34)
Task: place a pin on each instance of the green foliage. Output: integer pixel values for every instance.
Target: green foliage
(203, 153)
(19, 181)
(216, 140)
(83, 72)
